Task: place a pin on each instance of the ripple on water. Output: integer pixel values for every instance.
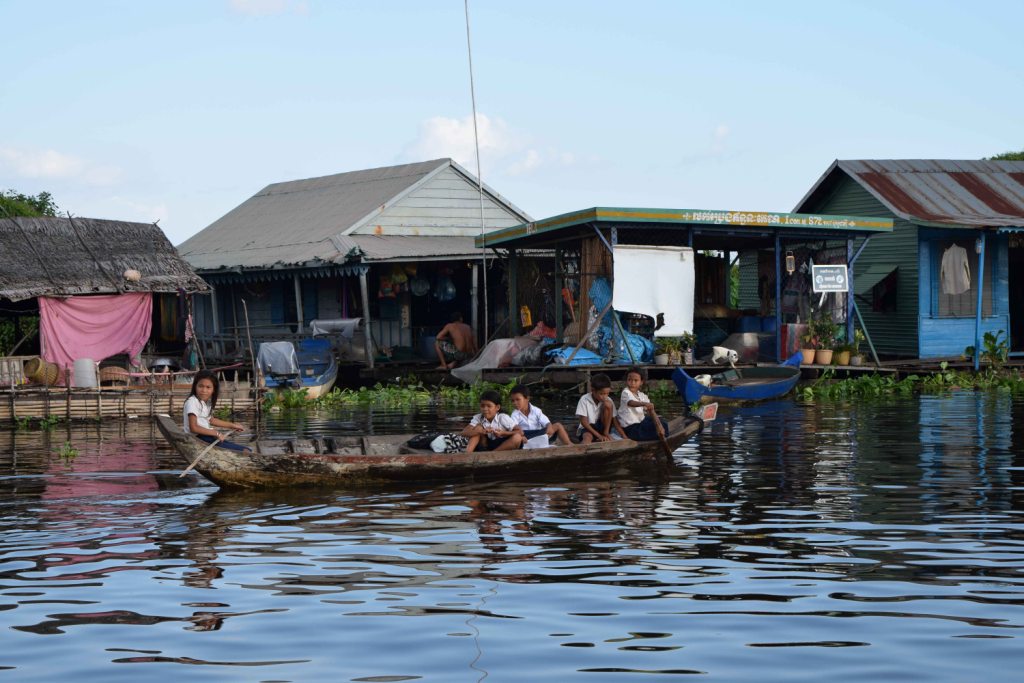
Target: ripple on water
(874, 542)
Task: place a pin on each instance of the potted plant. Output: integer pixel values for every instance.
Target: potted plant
(855, 356)
(688, 341)
(808, 344)
(825, 332)
(842, 354)
(667, 351)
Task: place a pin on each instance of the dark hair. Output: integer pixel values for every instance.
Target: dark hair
(492, 396)
(638, 371)
(210, 375)
(520, 389)
(456, 316)
(600, 381)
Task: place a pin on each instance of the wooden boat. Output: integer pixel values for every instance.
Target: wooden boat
(310, 366)
(357, 460)
(741, 384)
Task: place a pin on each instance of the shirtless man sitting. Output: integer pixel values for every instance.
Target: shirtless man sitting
(455, 343)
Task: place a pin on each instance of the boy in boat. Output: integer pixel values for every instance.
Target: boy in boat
(491, 429)
(636, 412)
(597, 412)
(532, 420)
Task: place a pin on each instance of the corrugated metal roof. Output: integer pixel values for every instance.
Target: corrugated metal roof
(299, 222)
(939, 192)
(379, 248)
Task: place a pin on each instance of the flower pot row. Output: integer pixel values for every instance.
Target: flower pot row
(826, 356)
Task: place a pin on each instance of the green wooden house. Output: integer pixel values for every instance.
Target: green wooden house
(910, 305)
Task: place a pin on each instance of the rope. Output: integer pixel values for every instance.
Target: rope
(479, 171)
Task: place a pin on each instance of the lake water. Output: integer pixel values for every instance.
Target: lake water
(871, 542)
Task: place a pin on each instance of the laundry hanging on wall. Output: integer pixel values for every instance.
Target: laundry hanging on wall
(955, 273)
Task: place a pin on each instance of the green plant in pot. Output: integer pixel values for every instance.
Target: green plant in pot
(669, 350)
(688, 343)
(855, 355)
(824, 333)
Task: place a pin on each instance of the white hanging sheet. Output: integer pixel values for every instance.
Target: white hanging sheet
(653, 280)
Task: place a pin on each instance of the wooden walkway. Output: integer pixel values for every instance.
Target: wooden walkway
(33, 401)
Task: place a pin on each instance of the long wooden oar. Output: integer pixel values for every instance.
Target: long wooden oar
(658, 427)
(204, 452)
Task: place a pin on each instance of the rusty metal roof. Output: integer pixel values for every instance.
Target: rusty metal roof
(941, 192)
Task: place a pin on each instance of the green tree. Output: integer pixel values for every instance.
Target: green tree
(14, 203)
(1008, 156)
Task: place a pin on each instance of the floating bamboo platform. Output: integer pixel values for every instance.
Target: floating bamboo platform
(33, 401)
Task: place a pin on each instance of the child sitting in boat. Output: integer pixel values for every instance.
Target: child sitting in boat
(198, 412)
(491, 429)
(532, 419)
(597, 412)
(636, 412)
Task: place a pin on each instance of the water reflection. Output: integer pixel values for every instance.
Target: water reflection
(886, 528)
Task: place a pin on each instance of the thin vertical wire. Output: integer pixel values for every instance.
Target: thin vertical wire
(479, 170)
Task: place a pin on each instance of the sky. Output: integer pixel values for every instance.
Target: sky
(179, 111)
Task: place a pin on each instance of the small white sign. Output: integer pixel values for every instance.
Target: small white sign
(830, 279)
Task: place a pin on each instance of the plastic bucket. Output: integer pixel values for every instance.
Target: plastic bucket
(41, 371)
(84, 373)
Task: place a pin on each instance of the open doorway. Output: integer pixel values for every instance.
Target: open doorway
(1016, 281)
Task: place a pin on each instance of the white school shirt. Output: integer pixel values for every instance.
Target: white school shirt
(631, 415)
(589, 407)
(201, 409)
(535, 420)
(502, 421)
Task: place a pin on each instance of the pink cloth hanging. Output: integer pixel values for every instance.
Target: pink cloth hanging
(95, 327)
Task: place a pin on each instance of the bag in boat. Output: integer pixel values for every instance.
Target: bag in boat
(449, 443)
(423, 441)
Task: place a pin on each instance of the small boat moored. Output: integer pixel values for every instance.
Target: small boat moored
(310, 367)
(357, 460)
(741, 384)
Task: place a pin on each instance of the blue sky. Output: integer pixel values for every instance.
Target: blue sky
(181, 110)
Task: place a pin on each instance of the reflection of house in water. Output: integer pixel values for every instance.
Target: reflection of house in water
(391, 246)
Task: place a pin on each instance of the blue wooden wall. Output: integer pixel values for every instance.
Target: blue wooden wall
(949, 336)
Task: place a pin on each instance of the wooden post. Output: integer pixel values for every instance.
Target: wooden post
(216, 322)
(513, 292)
(67, 385)
(559, 285)
(474, 297)
(365, 296)
(298, 302)
(980, 249)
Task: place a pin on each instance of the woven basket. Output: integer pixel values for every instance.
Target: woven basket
(114, 374)
(41, 371)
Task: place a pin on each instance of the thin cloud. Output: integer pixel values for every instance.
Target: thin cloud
(502, 149)
(50, 164)
(266, 8)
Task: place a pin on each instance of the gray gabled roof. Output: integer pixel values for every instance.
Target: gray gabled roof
(298, 223)
(53, 256)
(941, 192)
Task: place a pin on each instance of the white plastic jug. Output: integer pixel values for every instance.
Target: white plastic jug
(84, 373)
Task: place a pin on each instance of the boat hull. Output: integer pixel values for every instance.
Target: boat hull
(757, 384)
(355, 461)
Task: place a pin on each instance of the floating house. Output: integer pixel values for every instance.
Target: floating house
(587, 246)
(78, 291)
(952, 269)
(382, 256)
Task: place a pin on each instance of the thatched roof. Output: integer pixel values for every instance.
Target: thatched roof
(64, 256)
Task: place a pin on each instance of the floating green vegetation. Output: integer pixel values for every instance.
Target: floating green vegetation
(68, 452)
(286, 399)
(875, 385)
(48, 422)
